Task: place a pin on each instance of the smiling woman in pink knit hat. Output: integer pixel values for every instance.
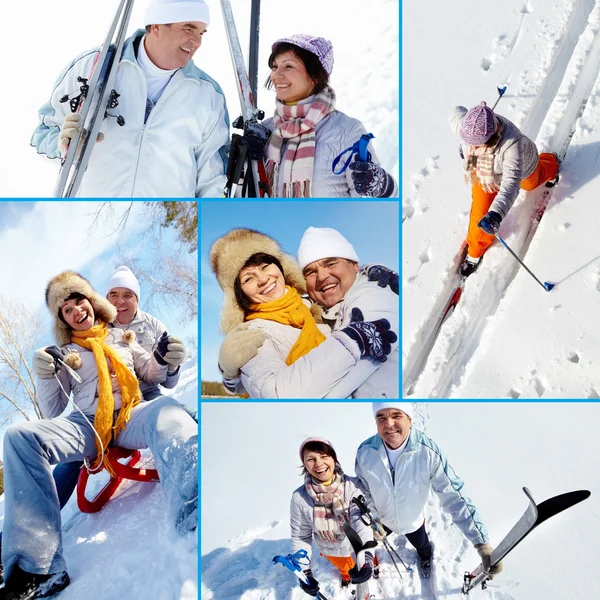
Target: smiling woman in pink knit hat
(499, 161)
(307, 133)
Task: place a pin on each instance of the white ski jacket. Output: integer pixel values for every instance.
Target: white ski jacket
(53, 400)
(148, 330)
(516, 158)
(179, 152)
(302, 522)
(399, 502)
(333, 134)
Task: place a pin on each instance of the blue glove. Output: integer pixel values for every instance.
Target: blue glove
(312, 588)
(384, 277)
(374, 338)
(256, 136)
(371, 180)
(365, 572)
(490, 223)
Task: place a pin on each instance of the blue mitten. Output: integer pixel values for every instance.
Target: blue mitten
(490, 223)
(384, 277)
(256, 137)
(374, 338)
(371, 180)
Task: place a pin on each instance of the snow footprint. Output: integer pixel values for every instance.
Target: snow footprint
(424, 258)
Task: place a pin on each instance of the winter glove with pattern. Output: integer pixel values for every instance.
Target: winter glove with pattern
(374, 338)
(371, 180)
(490, 223)
(484, 551)
(384, 277)
(45, 362)
(312, 587)
(241, 345)
(169, 351)
(256, 137)
(365, 572)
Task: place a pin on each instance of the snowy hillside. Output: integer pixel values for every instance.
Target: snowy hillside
(248, 480)
(130, 549)
(508, 338)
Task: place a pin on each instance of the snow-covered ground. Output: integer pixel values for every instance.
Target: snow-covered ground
(508, 338)
(496, 448)
(130, 549)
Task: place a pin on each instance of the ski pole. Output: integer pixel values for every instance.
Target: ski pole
(359, 148)
(295, 562)
(501, 91)
(547, 286)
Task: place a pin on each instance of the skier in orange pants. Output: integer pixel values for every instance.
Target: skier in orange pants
(499, 161)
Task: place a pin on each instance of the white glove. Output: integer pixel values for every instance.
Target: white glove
(71, 127)
(238, 348)
(43, 364)
(484, 551)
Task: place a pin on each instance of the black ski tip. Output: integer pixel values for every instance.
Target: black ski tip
(557, 504)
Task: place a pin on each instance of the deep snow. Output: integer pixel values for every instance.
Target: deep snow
(508, 338)
(496, 448)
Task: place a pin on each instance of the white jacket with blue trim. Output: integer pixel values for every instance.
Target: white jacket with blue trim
(179, 152)
(400, 505)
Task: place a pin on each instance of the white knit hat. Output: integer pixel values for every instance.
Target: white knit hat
(405, 407)
(323, 242)
(161, 12)
(124, 278)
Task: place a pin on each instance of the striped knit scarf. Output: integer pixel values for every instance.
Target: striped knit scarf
(290, 310)
(296, 126)
(479, 164)
(330, 509)
(94, 339)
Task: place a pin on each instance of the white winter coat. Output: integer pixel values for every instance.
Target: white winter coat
(516, 158)
(180, 152)
(85, 394)
(333, 134)
(422, 466)
(333, 369)
(148, 329)
(302, 522)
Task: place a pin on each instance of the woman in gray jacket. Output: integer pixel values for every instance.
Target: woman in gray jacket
(319, 509)
(307, 133)
(499, 161)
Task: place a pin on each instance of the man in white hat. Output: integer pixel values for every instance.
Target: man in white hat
(340, 287)
(169, 135)
(398, 468)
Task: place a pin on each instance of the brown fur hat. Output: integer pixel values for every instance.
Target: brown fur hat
(227, 257)
(61, 287)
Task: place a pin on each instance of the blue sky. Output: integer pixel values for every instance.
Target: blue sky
(371, 226)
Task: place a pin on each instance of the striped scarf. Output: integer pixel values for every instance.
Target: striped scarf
(329, 512)
(296, 125)
(290, 310)
(479, 164)
(94, 339)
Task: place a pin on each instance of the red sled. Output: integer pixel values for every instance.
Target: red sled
(122, 471)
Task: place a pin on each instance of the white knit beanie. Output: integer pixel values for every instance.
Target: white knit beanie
(322, 242)
(405, 407)
(123, 278)
(161, 12)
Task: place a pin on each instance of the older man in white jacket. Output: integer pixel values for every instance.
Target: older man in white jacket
(398, 467)
(169, 135)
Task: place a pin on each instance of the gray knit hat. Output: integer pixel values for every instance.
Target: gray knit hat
(320, 47)
(478, 126)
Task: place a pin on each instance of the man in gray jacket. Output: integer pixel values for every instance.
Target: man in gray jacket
(398, 468)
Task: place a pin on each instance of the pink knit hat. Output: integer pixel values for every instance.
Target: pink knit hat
(314, 439)
(320, 47)
(478, 126)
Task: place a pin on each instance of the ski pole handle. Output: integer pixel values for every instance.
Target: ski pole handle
(501, 91)
(359, 148)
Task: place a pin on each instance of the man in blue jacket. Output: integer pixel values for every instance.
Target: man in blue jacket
(398, 467)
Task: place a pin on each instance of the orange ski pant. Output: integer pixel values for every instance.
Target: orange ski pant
(343, 564)
(478, 240)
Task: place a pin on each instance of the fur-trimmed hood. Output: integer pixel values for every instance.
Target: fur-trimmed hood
(227, 257)
(61, 287)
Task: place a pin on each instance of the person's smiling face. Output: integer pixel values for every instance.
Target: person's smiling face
(173, 46)
(78, 314)
(328, 280)
(291, 81)
(262, 283)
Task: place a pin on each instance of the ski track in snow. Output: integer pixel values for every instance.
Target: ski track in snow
(436, 362)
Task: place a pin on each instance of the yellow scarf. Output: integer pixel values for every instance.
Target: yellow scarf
(94, 339)
(290, 310)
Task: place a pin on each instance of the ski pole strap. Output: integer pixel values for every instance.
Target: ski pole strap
(294, 562)
(359, 148)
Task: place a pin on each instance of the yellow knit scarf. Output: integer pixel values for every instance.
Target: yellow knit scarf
(94, 339)
(290, 310)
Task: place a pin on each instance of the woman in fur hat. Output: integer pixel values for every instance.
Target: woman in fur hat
(264, 288)
(319, 509)
(307, 133)
(98, 367)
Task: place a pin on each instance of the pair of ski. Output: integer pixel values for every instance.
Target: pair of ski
(96, 97)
